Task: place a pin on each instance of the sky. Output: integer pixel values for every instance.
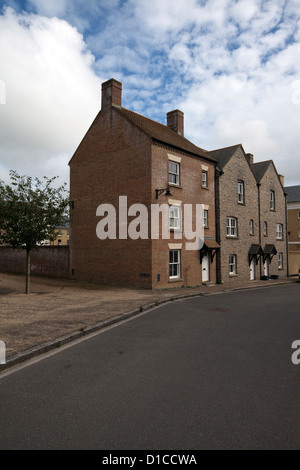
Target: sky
(232, 67)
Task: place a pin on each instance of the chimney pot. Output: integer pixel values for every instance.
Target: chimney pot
(175, 121)
(111, 93)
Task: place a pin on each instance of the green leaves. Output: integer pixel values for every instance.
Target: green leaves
(30, 209)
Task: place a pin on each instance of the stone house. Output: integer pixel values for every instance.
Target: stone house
(126, 168)
(250, 230)
(293, 209)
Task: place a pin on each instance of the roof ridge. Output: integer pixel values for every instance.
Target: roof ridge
(224, 148)
(163, 133)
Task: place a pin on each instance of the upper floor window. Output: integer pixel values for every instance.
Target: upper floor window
(265, 229)
(251, 227)
(175, 217)
(279, 231)
(205, 218)
(240, 190)
(204, 179)
(272, 200)
(174, 173)
(231, 227)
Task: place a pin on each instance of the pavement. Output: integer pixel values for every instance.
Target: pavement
(58, 311)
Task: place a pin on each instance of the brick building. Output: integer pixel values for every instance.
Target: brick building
(293, 207)
(251, 217)
(124, 161)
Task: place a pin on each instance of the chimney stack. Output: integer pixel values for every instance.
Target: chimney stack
(281, 177)
(250, 158)
(175, 121)
(111, 93)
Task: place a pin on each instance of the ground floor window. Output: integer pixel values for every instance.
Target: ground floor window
(280, 260)
(174, 264)
(232, 264)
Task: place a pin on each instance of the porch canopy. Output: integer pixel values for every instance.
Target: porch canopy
(255, 252)
(209, 246)
(269, 252)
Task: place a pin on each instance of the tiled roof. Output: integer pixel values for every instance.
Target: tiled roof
(224, 155)
(293, 193)
(163, 134)
(259, 169)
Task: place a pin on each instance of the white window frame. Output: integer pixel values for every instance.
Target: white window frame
(204, 179)
(251, 228)
(280, 260)
(175, 217)
(272, 200)
(279, 232)
(205, 218)
(174, 266)
(265, 229)
(232, 264)
(174, 172)
(231, 227)
(241, 192)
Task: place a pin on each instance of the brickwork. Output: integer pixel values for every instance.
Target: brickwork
(189, 191)
(45, 261)
(238, 169)
(117, 158)
(271, 182)
(113, 160)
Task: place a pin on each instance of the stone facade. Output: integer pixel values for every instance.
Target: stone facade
(243, 206)
(293, 206)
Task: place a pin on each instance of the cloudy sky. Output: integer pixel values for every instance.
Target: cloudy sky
(232, 67)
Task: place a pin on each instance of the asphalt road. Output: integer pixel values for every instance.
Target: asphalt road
(211, 372)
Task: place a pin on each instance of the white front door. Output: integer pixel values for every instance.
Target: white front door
(266, 268)
(252, 270)
(205, 268)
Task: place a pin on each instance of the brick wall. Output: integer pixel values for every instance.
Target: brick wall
(45, 261)
(190, 191)
(113, 160)
(270, 182)
(237, 169)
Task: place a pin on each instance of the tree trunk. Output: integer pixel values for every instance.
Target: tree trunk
(27, 271)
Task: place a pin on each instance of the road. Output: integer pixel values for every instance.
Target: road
(212, 372)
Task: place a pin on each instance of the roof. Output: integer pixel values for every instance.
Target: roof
(224, 155)
(259, 169)
(163, 133)
(270, 250)
(293, 193)
(211, 244)
(255, 249)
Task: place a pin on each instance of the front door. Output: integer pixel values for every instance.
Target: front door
(252, 270)
(266, 268)
(205, 268)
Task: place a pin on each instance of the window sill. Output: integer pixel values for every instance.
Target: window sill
(173, 185)
(177, 279)
(233, 275)
(231, 238)
(204, 187)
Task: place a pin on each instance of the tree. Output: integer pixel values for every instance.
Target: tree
(30, 209)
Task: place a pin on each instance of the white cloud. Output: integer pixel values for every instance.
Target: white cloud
(52, 93)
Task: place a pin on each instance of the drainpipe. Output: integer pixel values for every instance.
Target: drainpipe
(286, 236)
(259, 225)
(218, 173)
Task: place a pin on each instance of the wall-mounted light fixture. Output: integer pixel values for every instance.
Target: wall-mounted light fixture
(160, 191)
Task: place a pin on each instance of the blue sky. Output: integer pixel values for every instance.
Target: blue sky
(232, 67)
